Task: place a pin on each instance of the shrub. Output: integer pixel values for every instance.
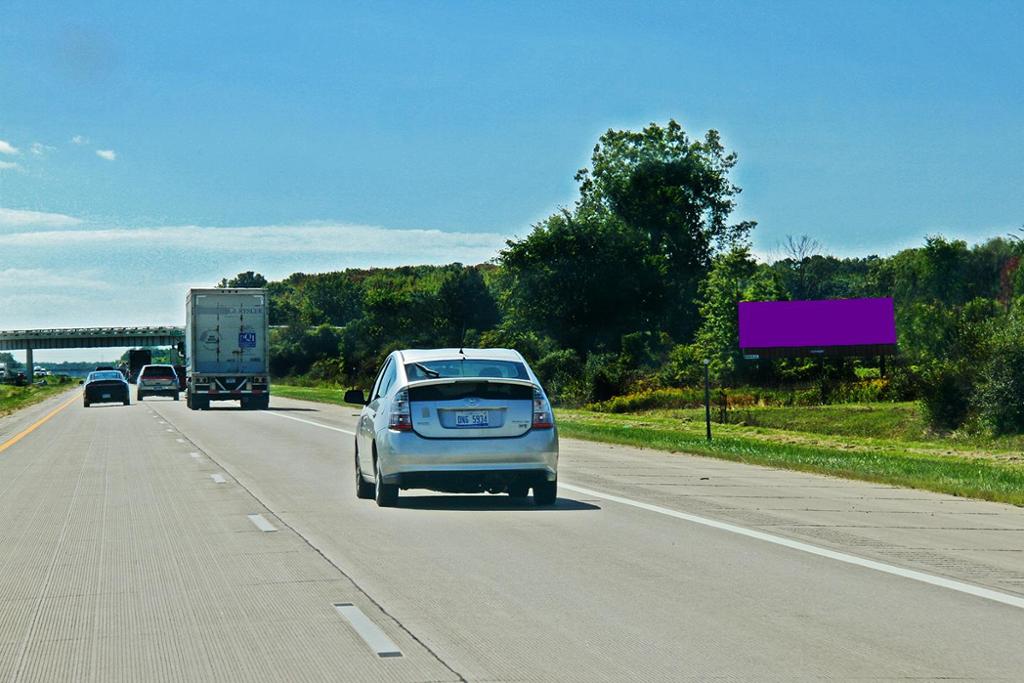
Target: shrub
(945, 395)
(999, 399)
(606, 376)
(683, 366)
(561, 373)
(330, 370)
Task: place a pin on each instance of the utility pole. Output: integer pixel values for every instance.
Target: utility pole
(707, 396)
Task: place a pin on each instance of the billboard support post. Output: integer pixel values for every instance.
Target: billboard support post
(707, 396)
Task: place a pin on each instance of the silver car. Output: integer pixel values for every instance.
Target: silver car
(157, 380)
(458, 421)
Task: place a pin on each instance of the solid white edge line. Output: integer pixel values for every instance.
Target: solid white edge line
(951, 584)
(942, 582)
(309, 422)
(261, 523)
(218, 478)
(372, 634)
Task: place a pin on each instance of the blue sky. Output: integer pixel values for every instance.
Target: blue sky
(315, 136)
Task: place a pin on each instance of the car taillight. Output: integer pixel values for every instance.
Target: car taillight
(541, 411)
(401, 414)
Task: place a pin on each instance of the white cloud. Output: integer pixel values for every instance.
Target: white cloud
(79, 140)
(107, 154)
(8, 148)
(13, 279)
(39, 149)
(9, 166)
(61, 277)
(366, 243)
(18, 218)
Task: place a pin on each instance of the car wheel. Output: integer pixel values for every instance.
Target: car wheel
(85, 403)
(518, 490)
(386, 495)
(138, 397)
(545, 493)
(126, 401)
(364, 489)
(176, 397)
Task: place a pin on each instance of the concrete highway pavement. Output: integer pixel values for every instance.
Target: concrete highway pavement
(124, 559)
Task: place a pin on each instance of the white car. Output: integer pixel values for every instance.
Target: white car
(458, 421)
(157, 380)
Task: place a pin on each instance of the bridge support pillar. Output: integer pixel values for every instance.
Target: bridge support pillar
(30, 370)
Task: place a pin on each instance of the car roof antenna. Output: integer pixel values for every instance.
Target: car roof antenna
(462, 341)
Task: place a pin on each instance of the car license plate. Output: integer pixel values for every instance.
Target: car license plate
(471, 418)
(104, 395)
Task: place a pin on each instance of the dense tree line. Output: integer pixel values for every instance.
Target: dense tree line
(638, 282)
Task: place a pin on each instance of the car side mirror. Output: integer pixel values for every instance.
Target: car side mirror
(81, 381)
(355, 396)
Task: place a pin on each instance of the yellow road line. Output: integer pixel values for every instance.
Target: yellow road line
(35, 425)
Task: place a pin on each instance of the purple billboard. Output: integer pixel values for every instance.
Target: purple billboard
(833, 327)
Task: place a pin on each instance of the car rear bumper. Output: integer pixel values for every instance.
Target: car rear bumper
(410, 460)
(113, 396)
(161, 391)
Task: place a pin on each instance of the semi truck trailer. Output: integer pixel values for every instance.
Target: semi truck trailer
(227, 347)
(137, 358)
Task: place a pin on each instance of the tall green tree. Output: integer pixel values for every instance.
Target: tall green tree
(653, 209)
(734, 277)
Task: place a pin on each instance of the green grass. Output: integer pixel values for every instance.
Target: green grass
(334, 395)
(985, 475)
(868, 423)
(12, 398)
(885, 442)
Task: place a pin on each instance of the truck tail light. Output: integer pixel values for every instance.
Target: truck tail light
(541, 411)
(401, 413)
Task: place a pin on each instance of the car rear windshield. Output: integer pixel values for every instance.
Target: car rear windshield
(457, 367)
(159, 373)
(455, 391)
(107, 374)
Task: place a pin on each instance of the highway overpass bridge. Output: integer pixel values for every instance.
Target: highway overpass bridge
(87, 338)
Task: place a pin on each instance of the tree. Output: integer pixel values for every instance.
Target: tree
(676, 193)
(583, 280)
(652, 211)
(246, 279)
(999, 398)
(464, 303)
(734, 277)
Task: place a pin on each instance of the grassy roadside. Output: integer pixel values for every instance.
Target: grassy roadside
(318, 394)
(13, 398)
(975, 474)
(881, 443)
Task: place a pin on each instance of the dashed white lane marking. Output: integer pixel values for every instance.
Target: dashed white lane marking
(180, 440)
(939, 581)
(309, 422)
(169, 430)
(194, 454)
(162, 422)
(218, 478)
(261, 523)
(367, 630)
